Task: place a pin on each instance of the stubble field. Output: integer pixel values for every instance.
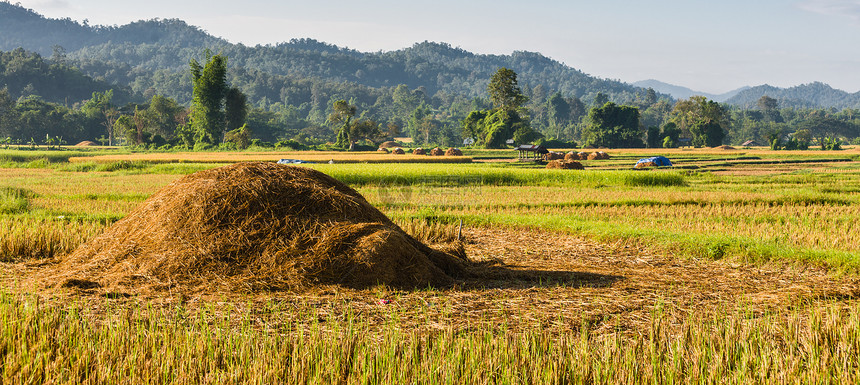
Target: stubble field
(733, 267)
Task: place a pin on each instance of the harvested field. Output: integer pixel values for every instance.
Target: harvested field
(523, 278)
(739, 267)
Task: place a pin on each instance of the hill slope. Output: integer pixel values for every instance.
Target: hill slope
(812, 95)
(140, 53)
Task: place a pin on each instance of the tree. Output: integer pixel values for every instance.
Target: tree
(99, 108)
(671, 134)
(768, 106)
(341, 116)
(653, 138)
(599, 100)
(504, 90)
(767, 103)
(350, 131)
(707, 133)
(207, 105)
(559, 113)
(8, 115)
(613, 126)
(240, 137)
(235, 109)
(702, 119)
(163, 115)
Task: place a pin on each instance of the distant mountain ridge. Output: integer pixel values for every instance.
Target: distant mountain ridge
(679, 92)
(812, 95)
(152, 56)
(144, 53)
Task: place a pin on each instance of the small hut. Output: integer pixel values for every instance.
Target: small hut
(531, 151)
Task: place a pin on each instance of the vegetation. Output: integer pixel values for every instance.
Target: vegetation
(751, 211)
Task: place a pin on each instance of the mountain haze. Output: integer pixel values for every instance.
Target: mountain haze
(679, 92)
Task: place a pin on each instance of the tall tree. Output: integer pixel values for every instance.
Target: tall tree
(99, 108)
(613, 126)
(504, 90)
(207, 104)
(702, 119)
(559, 113)
(235, 108)
(341, 116)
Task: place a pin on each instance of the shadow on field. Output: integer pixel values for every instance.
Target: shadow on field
(496, 275)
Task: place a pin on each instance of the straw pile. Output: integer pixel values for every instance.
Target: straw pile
(398, 151)
(724, 147)
(645, 165)
(571, 156)
(419, 151)
(86, 143)
(554, 156)
(389, 144)
(598, 155)
(565, 165)
(383, 149)
(437, 152)
(453, 152)
(255, 227)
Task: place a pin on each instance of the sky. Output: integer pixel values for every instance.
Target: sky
(708, 46)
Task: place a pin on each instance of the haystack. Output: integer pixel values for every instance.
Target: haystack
(86, 143)
(645, 165)
(419, 151)
(554, 156)
(583, 155)
(389, 144)
(724, 147)
(565, 165)
(453, 152)
(398, 151)
(383, 149)
(437, 152)
(603, 155)
(571, 156)
(253, 227)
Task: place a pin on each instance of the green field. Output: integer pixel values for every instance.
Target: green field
(731, 267)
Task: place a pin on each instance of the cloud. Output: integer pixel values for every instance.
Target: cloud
(844, 8)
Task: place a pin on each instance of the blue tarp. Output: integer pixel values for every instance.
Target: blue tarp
(658, 160)
(292, 161)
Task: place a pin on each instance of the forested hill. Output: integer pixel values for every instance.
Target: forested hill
(154, 55)
(25, 74)
(813, 95)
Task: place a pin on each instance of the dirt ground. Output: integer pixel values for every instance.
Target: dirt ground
(526, 279)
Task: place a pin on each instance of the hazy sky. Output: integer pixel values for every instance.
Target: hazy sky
(709, 46)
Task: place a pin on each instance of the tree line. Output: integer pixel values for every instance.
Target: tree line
(352, 116)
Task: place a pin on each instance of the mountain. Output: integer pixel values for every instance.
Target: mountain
(812, 95)
(25, 73)
(153, 56)
(679, 92)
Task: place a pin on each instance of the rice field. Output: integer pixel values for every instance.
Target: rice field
(733, 267)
